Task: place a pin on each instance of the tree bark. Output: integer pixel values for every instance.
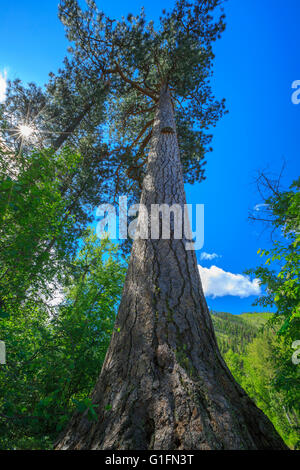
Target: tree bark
(164, 384)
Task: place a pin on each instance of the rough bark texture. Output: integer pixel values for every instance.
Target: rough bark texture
(164, 384)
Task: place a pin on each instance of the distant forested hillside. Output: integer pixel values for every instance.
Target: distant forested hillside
(261, 362)
(235, 332)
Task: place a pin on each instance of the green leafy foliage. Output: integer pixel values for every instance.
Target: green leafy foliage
(283, 281)
(280, 274)
(260, 361)
(57, 304)
(38, 235)
(53, 361)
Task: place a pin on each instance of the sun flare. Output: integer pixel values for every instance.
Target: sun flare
(25, 131)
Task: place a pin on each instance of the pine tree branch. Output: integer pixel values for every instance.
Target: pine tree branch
(144, 91)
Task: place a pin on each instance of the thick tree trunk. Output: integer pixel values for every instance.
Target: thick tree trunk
(164, 384)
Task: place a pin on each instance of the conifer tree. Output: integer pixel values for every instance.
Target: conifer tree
(67, 112)
(164, 384)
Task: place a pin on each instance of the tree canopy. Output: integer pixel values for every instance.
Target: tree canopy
(136, 58)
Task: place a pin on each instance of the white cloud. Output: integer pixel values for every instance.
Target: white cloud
(258, 207)
(3, 86)
(217, 283)
(209, 256)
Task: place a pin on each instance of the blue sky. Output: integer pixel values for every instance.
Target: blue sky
(256, 62)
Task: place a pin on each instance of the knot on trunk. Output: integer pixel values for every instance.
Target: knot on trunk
(167, 130)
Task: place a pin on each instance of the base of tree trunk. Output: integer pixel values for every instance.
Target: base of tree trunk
(164, 384)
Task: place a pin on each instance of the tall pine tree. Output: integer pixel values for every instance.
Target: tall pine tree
(164, 384)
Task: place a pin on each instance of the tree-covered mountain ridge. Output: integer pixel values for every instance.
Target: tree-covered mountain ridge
(235, 332)
(260, 360)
